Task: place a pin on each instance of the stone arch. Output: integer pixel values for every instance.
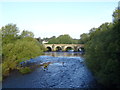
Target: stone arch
(49, 48)
(58, 48)
(67, 48)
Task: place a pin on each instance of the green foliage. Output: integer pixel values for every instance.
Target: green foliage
(62, 39)
(116, 14)
(39, 40)
(0, 72)
(9, 33)
(52, 40)
(22, 48)
(5, 68)
(25, 70)
(65, 39)
(26, 34)
(47, 39)
(84, 38)
(102, 54)
(9, 29)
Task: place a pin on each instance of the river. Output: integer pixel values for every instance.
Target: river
(67, 70)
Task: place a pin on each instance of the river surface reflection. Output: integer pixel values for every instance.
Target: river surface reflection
(66, 54)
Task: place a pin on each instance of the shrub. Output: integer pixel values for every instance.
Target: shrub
(25, 70)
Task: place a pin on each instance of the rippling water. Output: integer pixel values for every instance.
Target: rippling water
(67, 70)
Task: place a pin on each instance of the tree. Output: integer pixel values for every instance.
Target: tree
(21, 50)
(26, 33)
(84, 38)
(9, 33)
(65, 39)
(102, 53)
(17, 48)
(52, 40)
(116, 14)
(39, 40)
(62, 39)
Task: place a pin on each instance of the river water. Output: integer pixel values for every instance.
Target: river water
(67, 70)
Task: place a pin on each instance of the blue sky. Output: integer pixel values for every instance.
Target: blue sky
(47, 19)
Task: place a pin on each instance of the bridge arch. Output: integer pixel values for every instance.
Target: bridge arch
(49, 48)
(58, 48)
(67, 48)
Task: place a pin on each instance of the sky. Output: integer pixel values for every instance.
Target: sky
(47, 19)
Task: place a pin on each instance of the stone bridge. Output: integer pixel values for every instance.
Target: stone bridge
(64, 47)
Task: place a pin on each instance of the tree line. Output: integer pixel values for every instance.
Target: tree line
(17, 47)
(62, 39)
(102, 55)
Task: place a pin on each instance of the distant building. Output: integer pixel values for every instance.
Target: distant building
(44, 42)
